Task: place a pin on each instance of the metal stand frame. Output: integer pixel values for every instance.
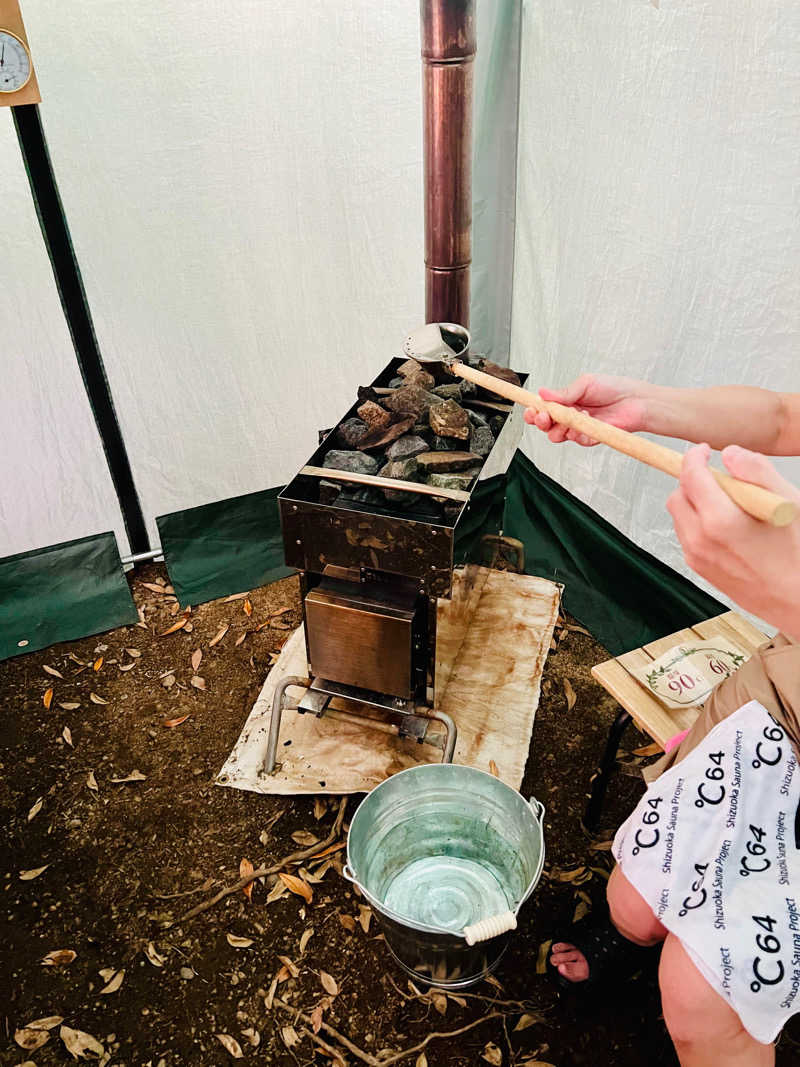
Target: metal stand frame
(602, 775)
(320, 708)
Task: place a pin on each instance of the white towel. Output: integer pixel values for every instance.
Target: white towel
(714, 849)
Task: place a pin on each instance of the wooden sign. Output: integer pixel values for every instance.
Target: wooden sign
(16, 65)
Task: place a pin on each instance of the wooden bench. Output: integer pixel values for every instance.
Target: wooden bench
(651, 716)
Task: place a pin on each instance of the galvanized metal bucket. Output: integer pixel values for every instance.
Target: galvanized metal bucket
(446, 856)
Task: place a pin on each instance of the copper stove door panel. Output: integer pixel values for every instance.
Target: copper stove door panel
(359, 647)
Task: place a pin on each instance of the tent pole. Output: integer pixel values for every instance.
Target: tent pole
(448, 53)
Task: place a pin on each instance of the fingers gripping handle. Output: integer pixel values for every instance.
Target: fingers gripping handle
(756, 501)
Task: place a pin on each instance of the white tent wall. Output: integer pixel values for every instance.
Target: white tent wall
(657, 216)
(244, 191)
(54, 480)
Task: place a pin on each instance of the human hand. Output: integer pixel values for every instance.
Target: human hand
(617, 401)
(755, 564)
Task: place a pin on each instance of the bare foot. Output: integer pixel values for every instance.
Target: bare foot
(570, 961)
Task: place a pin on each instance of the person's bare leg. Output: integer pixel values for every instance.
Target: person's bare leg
(631, 915)
(704, 1028)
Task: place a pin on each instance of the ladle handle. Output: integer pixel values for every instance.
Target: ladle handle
(756, 501)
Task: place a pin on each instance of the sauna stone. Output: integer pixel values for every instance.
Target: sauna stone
(356, 462)
(449, 419)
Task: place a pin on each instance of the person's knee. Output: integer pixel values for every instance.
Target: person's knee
(630, 912)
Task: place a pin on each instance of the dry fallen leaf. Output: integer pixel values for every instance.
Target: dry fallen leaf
(37, 807)
(247, 607)
(168, 680)
(153, 587)
(53, 671)
(307, 935)
(569, 693)
(59, 957)
(421, 1060)
(348, 922)
(290, 1036)
(541, 959)
(91, 782)
(268, 999)
(278, 890)
(527, 1020)
(581, 909)
(98, 663)
(239, 639)
(66, 733)
(197, 656)
(198, 682)
(134, 652)
(70, 706)
(439, 1001)
(292, 968)
(252, 1035)
(575, 876)
(329, 983)
(246, 868)
(34, 1034)
(47, 699)
(134, 776)
(298, 886)
(492, 1054)
(364, 917)
(31, 1038)
(154, 956)
(238, 942)
(114, 982)
(218, 636)
(231, 1045)
(648, 750)
(235, 596)
(179, 625)
(303, 837)
(602, 846)
(175, 722)
(28, 876)
(95, 699)
(320, 807)
(494, 769)
(316, 1017)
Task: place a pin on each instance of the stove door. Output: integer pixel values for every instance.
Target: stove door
(362, 635)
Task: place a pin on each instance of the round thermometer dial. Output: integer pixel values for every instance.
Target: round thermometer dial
(15, 63)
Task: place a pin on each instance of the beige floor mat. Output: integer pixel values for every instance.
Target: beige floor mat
(492, 695)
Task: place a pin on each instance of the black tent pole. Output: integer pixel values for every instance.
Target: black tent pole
(55, 230)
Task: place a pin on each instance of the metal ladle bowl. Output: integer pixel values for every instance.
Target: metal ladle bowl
(437, 342)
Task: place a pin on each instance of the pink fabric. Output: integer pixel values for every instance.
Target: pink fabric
(675, 741)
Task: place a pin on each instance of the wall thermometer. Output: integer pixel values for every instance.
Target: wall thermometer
(15, 63)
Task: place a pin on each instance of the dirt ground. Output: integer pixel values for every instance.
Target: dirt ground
(110, 867)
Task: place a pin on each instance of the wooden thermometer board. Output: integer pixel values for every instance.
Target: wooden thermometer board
(11, 22)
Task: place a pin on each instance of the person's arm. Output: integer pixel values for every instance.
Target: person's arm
(753, 418)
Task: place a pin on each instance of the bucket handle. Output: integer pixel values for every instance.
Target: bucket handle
(491, 927)
(537, 807)
(348, 874)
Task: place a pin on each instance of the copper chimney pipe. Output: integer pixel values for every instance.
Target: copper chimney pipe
(448, 51)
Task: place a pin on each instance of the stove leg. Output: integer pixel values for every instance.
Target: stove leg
(603, 773)
(275, 718)
(451, 737)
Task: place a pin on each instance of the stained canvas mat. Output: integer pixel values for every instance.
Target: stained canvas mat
(492, 695)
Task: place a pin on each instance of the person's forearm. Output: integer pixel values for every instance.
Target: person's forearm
(720, 415)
